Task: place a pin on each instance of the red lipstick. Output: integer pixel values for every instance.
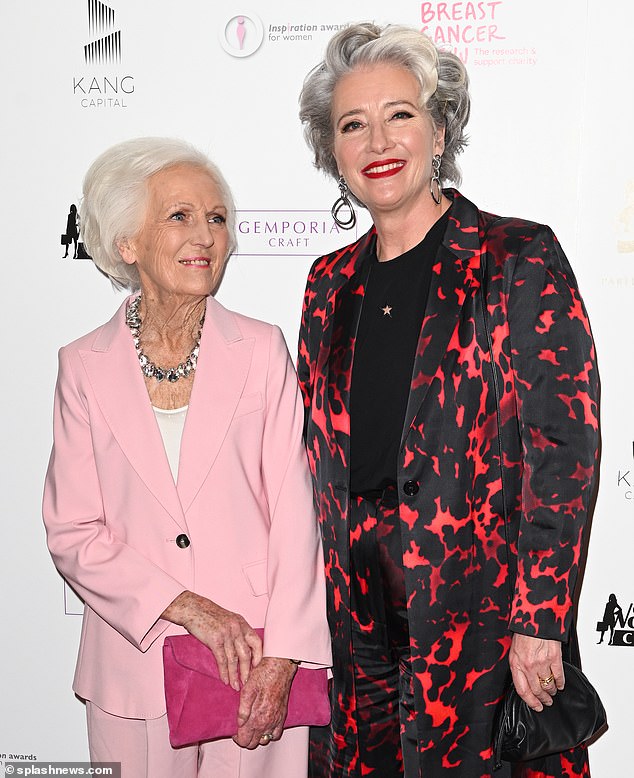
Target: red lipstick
(383, 168)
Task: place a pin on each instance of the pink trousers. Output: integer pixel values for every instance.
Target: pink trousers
(142, 746)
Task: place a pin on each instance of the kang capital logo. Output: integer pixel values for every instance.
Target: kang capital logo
(102, 85)
(101, 24)
(625, 480)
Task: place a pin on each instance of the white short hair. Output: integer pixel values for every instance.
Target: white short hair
(115, 196)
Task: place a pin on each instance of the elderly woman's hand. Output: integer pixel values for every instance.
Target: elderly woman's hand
(537, 669)
(235, 645)
(264, 701)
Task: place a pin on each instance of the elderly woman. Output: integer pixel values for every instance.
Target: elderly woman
(450, 388)
(178, 494)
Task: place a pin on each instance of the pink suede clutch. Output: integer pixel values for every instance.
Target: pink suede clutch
(201, 707)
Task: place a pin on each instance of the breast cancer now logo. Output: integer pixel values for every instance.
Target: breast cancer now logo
(242, 34)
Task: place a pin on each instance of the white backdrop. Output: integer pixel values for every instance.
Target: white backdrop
(550, 141)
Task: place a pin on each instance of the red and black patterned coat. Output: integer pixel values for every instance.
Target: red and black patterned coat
(490, 547)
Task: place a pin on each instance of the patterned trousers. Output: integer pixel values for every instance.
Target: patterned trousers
(380, 640)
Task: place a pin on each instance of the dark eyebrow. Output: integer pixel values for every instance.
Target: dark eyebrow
(348, 114)
(392, 104)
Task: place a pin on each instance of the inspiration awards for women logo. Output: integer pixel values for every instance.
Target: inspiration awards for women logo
(242, 34)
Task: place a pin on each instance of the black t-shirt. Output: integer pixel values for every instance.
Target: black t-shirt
(389, 327)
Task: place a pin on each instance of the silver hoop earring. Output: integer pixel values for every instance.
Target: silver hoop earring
(434, 185)
(343, 201)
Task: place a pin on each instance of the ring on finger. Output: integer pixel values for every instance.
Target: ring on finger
(546, 681)
(266, 738)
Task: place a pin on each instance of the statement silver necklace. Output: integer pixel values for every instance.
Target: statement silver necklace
(172, 374)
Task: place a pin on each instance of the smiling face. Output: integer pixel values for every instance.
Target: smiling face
(384, 141)
(181, 249)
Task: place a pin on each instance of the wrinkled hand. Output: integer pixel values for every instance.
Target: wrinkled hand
(235, 645)
(531, 659)
(264, 701)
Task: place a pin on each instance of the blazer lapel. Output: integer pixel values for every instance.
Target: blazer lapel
(116, 379)
(454, 276)
(221, 373)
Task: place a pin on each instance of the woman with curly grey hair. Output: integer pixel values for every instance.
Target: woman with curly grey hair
(177, 478)
(450, 388)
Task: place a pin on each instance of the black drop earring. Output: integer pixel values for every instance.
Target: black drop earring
(434, 185)
(343, 201)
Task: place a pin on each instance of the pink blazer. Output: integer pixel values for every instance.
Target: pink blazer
(243, 497)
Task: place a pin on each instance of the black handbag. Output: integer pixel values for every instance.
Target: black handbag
(521, 734)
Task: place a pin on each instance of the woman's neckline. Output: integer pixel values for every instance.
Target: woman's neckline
(438, 225)
(445, 208)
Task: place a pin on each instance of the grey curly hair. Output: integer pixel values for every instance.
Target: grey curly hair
(115, 196)
(442, 77)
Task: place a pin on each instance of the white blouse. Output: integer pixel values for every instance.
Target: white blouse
(171, 424)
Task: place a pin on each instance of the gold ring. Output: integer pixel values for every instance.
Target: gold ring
(266, 737)
(546, 681)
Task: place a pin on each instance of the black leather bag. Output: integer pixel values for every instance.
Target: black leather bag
(521, 734)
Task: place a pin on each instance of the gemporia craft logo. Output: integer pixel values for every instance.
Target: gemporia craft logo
(241, 35)
(616, 625)
(289, 233)
(104, 86)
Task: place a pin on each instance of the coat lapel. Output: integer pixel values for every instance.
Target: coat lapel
(116, 379)
(454, 277)
(346, 314)
(221, 373)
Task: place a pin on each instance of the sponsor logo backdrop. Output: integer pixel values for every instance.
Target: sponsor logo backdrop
(550, 140)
